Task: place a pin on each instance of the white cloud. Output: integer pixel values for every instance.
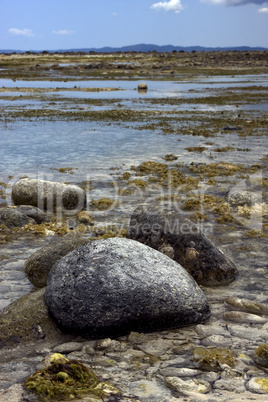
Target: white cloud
(234, 2)
(172, 5)
(22, 32)
(263, 10)
(63, 32)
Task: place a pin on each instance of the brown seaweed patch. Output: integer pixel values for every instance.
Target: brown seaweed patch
(196, 149)
(224, 149)
(222, 169)
(103, 203)
(65, 169)
(213, 358)
(67, 379)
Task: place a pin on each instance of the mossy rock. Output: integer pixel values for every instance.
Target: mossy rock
(27, 320)
(65, 379)
(261, 353)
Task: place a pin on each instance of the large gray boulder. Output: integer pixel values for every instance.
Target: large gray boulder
(113, 286)
(21, 216)
(159, 226)
(48, 194)
(38, 265)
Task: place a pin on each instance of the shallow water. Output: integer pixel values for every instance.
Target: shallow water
(99, 151)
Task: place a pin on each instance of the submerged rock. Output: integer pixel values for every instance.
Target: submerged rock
(21, 216)
(155, 226)
(38, 265)
(27, 320)
(114, 286)
(48, 195)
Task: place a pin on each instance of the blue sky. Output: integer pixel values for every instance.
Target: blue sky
(64, 24)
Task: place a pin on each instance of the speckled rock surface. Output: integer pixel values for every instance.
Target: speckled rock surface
(114, 286)
(155, 226)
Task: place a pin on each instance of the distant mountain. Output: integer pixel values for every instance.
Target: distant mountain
(142, 47)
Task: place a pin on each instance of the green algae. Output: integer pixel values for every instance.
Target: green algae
(213, 358)
(67, 379)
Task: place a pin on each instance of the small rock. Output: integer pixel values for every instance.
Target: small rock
(142, 86)
(170, 157)
(258, 385)
(187, 386)
(48, 195)
(261, 355)
(68, 347)
(156, 347)
(12, 217)
(231, 380)
(239, 316)
(217, 340)
(249, 306)
(179, 372)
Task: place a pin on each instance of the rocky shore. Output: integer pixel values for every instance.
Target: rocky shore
(135, 316)
(183, 313)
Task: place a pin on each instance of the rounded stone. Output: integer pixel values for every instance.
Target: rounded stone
(48, 194)
(156, 225)
(258, 385)
(38, 265)
(142, 86)
(114, 286)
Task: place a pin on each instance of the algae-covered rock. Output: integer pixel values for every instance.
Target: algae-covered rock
(38, 265)
(258, 385)
(155, 226)
(114, 286)
(48, 195)
(261, 355)
(26, 320)
(64, 379)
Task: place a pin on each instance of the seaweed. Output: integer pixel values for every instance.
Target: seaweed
(213, 358)
(67, 379)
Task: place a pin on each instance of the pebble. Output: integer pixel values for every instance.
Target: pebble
(157, 347)
(258, 385)
(247, 333)
(217, 340)
(185, 387)
(239, 316)
(231, 380)
(179, 372)
(68, 347)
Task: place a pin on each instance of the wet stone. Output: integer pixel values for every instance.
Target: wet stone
(125, 286)
(155, 226)
(258, 385)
